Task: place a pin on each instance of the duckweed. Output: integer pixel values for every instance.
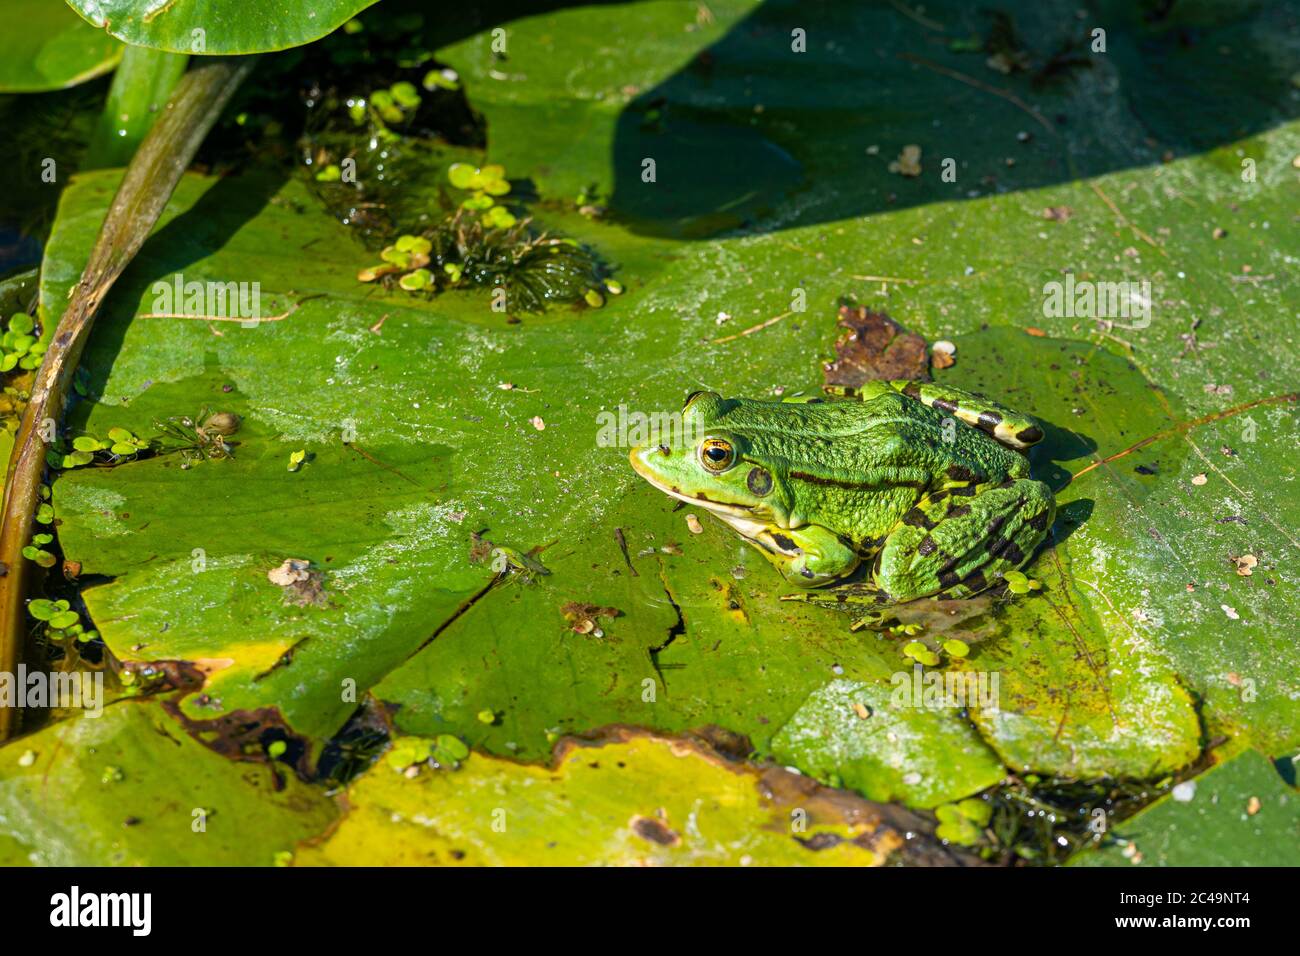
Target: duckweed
(1019, 583)
(921, 654)
(19, 346)
(963, 822)
(61, 622)
(483, 242)
(36, 552)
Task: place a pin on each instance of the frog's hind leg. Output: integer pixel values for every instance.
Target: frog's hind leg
(963, 543)
(871, 605)
(1005, 425)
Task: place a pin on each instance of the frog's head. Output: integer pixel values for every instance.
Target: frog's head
(709, 462)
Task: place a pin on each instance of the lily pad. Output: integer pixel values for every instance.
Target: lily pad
(633, 799)
(217, 26)
(1239, 813)
(860, 736)
(130, 787)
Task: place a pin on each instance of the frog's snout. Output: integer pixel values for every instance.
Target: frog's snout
(647, 460)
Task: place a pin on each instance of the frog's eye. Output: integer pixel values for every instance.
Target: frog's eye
(717, 455)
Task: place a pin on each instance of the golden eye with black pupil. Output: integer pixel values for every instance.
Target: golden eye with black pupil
(717, 455)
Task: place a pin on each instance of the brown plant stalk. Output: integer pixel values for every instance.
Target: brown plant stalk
(146, 187)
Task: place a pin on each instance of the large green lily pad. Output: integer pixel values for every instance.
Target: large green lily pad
(1145, 639)
(217, 26)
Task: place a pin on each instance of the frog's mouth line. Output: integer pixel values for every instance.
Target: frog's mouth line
(719, 507)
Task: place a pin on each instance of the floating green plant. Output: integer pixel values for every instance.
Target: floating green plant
(119, 446)
(921, 654)
(19, 346)
(963, 822)
(1019, 583)
(61, 622)
(35, 551)
(445, 750)
(484, 243)
(384, 108)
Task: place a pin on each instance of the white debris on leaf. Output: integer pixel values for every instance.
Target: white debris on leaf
(290, 572)
(1184, 792)
(1231, 612)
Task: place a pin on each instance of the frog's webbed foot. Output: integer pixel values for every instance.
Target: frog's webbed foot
(808, 557)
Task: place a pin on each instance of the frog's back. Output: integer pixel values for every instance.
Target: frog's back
(887, 438)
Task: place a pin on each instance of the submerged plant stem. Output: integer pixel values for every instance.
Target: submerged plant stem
(140, 199)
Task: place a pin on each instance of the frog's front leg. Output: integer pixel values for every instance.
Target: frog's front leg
(810, 556)
(962, 541)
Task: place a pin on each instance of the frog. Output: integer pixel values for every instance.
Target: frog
(873, 496)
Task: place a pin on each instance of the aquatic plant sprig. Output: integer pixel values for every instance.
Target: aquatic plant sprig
(20, 347)
(483, 243)
(60, 621)
(120, 445)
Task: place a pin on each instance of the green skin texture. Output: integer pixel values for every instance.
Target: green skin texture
(895, 491)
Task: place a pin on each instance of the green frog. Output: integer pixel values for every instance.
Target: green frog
(877, 496)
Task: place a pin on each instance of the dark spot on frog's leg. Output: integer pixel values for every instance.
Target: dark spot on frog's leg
(1006, 549)
(959, 473)
(996, 525)
(1039, 521)
(917, 519)
(947, 578)
(965, 491)
(989, 422)
(956, 511)
(870, 546)
(944, 406)
(975, 581)
(913, 390)
(759, 481)
(927, 546)
(1030, 435)
(938, 496)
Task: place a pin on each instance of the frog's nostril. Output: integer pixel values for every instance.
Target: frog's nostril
(665, 450)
